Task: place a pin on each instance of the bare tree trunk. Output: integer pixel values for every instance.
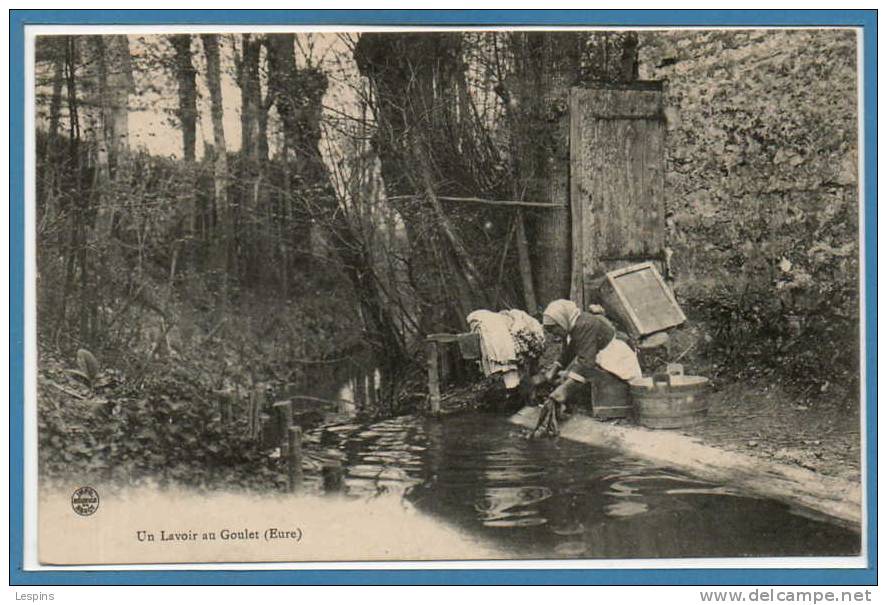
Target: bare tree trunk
(266, 101)
(186, 79)
(250, 95)
(55, 104)
(282, 90)
(119, 86)
(282, 83)
(111, 55)
(249, 170)
(48, 185)
(76, 210)
(546, 65)
(103, 131)
(224, 234)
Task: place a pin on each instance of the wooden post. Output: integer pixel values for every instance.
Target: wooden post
(284, 415)
(526, 271)
(332, 477)
(443, 369)
(433, 378)
(250, 412)
(294, 458)
(371, 390)
(259, 405)
(358, 380)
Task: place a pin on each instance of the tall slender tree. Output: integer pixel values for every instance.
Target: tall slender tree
(186, 80)
(224, 233)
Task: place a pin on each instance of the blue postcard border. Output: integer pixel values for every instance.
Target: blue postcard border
(867, 20)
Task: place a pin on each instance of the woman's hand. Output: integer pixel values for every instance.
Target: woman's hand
(552, 372)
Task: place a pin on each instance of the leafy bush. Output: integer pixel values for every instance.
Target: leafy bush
(167, 433)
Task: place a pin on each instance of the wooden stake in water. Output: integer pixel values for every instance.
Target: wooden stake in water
(433, 377)
(294, 458)
(259, 401)
(284, 414)
(333, 482)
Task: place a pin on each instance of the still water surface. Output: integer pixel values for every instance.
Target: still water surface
(560, 499)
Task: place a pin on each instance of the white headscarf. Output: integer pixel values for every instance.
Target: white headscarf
(562, 313)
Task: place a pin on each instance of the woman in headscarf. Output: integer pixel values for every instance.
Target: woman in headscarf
(589, 343)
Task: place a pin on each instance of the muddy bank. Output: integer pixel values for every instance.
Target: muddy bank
(765, 422)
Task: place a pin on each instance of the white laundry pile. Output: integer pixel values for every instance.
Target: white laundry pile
(506, 339)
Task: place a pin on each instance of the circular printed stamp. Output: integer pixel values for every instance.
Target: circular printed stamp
(85, 501)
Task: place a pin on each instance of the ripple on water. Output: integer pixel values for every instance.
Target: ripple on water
(577, 529)
(571, 549)
(512, 474)
(508, 497)
(704, 491)
(341, 428)
(622, 490)
(475, 472)
(664, 477)
(520, 522)
(370, 471)
(512, 506)
(625, 508)
(384, 458)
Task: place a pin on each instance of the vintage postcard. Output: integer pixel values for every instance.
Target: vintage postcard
(480, 294)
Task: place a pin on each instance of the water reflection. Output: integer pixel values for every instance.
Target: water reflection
(512, 506)
(555, 498)
(360, 390)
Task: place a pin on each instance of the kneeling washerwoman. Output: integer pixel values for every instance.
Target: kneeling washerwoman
(589, 342)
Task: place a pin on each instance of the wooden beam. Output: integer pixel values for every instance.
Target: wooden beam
(477, 200)
(443, 337)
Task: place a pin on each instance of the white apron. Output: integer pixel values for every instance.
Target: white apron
(618, 358)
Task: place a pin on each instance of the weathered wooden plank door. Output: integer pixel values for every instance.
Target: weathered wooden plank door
(617, 180)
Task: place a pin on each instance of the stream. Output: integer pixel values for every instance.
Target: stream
(561, 499)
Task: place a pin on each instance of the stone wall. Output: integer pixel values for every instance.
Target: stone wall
(761, 124)
(761, 183)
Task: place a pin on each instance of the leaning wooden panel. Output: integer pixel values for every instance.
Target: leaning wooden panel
(641, 299)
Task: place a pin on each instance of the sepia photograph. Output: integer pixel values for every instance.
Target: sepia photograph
(576, 295)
